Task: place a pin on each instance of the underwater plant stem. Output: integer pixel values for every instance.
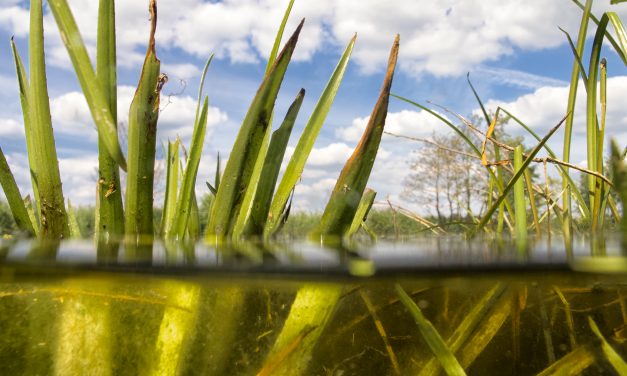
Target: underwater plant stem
(311, 310)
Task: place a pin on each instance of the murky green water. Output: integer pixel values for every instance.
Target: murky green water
(311, 311)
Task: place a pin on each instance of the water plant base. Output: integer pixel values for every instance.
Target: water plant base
(73, 321)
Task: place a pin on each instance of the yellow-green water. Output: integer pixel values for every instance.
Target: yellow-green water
(337, 315)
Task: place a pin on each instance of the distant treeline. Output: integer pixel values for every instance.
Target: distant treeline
(385, 223)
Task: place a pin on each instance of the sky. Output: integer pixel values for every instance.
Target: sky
(514, 52)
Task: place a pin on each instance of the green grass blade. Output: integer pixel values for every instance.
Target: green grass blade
(305, 144)
(532, 201)
(365, 204)
(497, 155)
(110, 212)
(465, 329)
(188, 186)
(242, 220)
(96, 98)
(12, 194)
(620, 33)
(576, 55)
(562, 170)
(75, 231)
(193, 223)
(567, 184)
(142, 132)
(601, 197)
(517, 175)
(610, 38)
(443, 353)
(171, 188)
(340, 210)
(241, 226)
(608, 351)
(592, 131)
(240, 165)
(254, 223)
(54, 222)
(23, 87)
(520, 207)
(279, 36)
(618, 167)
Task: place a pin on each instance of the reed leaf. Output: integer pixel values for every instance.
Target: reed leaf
(110, 211)
(241, 226)
(520, 207)
(142, 132)
(54, 223)
(184, 201)
(256, 219)
(340, 210)
(461, 134)
(610, 38)
(193, 222)
(305, 144)
(608, 351)
(620, 33)
(429, 333)
(567, 184)
(97, 100)
(75, 230)
(561, 169)
(592, 130)
(171, 188)
(23, 87)
(618, 167)
(365, 204)
(12, 194)
(240, 165)
(465, 329)
(497, 154)
(517, 175)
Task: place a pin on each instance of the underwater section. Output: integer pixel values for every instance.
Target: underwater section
(305, 309)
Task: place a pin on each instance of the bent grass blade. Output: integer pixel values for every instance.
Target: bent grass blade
(96, 98)
(517, 175)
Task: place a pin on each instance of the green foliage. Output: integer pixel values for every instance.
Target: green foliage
(142, 133)
(7, 223)
(342, 206)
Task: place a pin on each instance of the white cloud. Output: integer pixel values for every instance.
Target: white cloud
(406, 123)
(336, 153)
(11, 128)
(180, 71)
(545, 107)
(441, 38)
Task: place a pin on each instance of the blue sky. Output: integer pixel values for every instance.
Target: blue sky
(513, 50)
